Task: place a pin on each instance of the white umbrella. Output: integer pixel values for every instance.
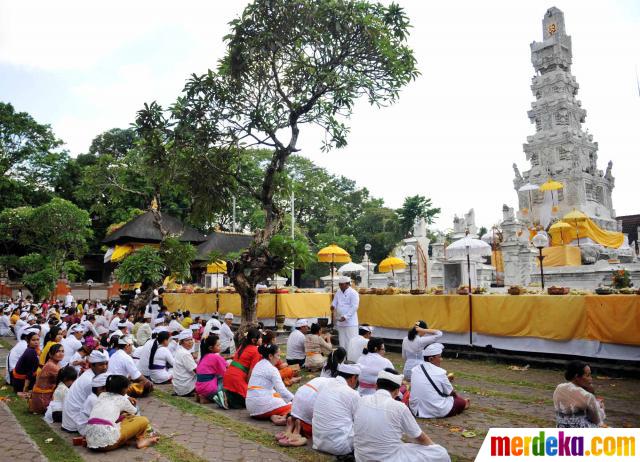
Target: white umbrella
(468, 247)
(351, 268)
(529, 187)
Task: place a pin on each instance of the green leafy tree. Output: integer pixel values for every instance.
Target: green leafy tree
(116, 143)
(145, 265)
(149, 265)
(59, 230)
(294, 252)
(29, 159)
(28, 150)
(38, 274)
(289, 63)
(73, 269)
(41, 283)
(177, 257)
(380, 227)
(414, 208)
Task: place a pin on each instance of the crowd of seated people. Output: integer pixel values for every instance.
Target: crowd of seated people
(85, 365)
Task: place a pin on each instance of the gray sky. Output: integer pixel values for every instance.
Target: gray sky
(86, 67)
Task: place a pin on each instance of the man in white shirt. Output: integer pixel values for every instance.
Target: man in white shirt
(144, 331)
(184, 366)
(108, 314)
(101, 319)
(227, 345)
(5, 323)
(72, 343)
(334, 410)
(120, 318)
(381, 421)
(303, 403)
(74, 401)
(121, 363)
(345, 311)
(212, 326)
(295, 343)
(432, 395)
(68, 300)
(359, 343)
(21, 324)
(174, 324)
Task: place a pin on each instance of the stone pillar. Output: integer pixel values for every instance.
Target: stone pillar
(365, 276)
(516, 252)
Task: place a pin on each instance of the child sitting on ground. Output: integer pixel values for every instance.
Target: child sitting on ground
(113, 423)
(66, 376)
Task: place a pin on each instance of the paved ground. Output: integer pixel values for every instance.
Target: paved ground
(501, 397)
(15, 444)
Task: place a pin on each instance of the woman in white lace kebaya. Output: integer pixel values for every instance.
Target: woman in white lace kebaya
(267, 397)
(112, 422)
(575, 402)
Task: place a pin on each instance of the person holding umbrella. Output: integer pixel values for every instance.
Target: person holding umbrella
(345, 309)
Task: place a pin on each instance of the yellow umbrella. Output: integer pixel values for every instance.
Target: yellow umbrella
(577, 217)
(551, 185)
(333, 254)
(391, 264)
(559, 227)
(217, 267)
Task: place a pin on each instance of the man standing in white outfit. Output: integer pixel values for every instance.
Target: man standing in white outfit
(345, 308)
(381, 421)
(334, 410)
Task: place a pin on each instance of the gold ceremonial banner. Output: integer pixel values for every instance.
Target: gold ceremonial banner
(608, 319)
(444, 312)
(587, 228)
(614, 319)
(545, 316)
(563, 255)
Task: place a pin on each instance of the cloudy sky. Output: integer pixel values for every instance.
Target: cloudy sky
(85, 67)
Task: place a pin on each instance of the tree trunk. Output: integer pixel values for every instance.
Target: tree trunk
(254, 265)
(138, 305)
(248, 303)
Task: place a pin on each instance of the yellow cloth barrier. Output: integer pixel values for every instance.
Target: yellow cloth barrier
(445, 312)
(550, 317)
(291, 305)
(614, 319)
(589, 229)
(608, 319)
(563, 255)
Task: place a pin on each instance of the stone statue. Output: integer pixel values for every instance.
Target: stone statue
(458, 224)
(589, 254)
(420, 228)
(608, 174)
(517, 172)
(508, 213)
(470, 221)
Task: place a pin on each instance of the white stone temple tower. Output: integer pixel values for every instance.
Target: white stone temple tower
(560, 149)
